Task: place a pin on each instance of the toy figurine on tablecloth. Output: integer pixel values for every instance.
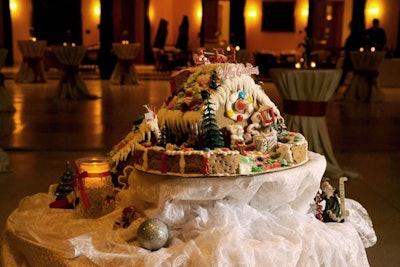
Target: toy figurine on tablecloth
(330, 203)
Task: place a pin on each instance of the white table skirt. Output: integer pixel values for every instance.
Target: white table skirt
(315, 85)
(124, 71)
(71, 85)
(364, 86)
(32, 67)
(242, 221)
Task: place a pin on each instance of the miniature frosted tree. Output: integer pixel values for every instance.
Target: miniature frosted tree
(65, 186)
(211, 135)
(163, 137)
(214, 81)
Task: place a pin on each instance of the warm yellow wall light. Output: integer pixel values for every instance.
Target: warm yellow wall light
(13, 6)
(151, 13)
(373, 11)
(97, 10)
(304, 12)
(199, 12)
(252, 13)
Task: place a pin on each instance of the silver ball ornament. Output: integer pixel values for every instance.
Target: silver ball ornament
(152, 234)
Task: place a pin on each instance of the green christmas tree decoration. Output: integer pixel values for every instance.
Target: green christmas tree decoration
(214, 81)
(211, 135)
(65, 186)
(163, 137)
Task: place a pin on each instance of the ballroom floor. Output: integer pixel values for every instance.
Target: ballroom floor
(45, 132)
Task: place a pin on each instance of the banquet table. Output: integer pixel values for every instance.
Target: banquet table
(305, 94)
(71, 84)
(364, 86)
(267, 217)
(32, 67)
(124, 71)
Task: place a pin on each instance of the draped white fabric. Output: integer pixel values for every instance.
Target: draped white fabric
(71, 84)
(32, 49)
(69, 55)
(32, 67)
(263, 220)
(124, 71)
(364, 85)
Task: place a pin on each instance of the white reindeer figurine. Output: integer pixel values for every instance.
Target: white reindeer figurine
(150, 124)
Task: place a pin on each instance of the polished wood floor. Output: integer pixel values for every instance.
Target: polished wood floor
(45, 132)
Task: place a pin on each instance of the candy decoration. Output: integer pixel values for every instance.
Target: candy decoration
(152, 234)
(230, 113)
(239, 106)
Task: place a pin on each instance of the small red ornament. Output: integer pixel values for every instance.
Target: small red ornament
(239, 118)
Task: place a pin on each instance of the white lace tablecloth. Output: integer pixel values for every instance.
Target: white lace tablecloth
(238, 221)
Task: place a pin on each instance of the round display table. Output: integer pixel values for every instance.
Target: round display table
(265, 219)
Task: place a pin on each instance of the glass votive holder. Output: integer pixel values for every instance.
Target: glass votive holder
(94, 187)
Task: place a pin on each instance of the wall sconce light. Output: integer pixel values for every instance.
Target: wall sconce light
(373, 11)
(304, 12)
(96, 10)
(151, 13)
(252, 13)
(199, 12)
(13, 6)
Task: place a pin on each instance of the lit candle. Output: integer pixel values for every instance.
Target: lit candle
(73, 44)
(361, 49)
(96, 190)
(96, 169)
(33, 39)
(372, 49)
(237, 48)
(297, 65)
(64, 44)
(313, 64)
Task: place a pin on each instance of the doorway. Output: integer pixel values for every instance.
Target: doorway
(223, 23)
(57, 21)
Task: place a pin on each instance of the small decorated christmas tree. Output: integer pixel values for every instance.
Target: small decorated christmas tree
(65, 186)
(211, 135)
(214, 81)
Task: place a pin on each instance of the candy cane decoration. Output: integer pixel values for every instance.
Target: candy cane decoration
(345, 213)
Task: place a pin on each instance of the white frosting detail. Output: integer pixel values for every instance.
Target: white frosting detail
(189, 121)
(246, 84)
